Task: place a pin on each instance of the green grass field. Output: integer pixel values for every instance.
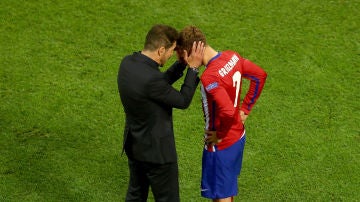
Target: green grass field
(61, 120)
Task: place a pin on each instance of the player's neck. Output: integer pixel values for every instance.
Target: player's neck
(209, 53)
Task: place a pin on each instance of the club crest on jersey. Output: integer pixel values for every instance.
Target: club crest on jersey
(229, 66)
(212, 86)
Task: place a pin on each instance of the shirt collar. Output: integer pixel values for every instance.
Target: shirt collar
(143, 58)
(216, 56)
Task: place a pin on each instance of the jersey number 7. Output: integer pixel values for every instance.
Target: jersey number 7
(236, 83)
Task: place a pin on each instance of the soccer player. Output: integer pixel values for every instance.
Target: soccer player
(224, 113)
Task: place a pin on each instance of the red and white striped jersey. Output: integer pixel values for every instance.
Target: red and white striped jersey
(221, 89)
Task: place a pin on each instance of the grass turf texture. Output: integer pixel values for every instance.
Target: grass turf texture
(61, 120)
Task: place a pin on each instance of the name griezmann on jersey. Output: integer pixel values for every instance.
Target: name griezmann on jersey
(229, 66)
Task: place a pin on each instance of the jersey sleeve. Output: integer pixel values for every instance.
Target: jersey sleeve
(257, 77)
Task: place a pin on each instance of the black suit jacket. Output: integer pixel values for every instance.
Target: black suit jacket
(148, 99)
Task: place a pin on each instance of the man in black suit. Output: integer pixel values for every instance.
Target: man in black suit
(148, 99)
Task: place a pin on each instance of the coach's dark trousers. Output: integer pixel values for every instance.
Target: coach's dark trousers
(162, 178)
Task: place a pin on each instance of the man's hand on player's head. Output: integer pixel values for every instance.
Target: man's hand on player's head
(197, 53)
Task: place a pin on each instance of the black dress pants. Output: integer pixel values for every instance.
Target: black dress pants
(162, 178)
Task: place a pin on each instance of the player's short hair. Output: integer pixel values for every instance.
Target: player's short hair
(160, 36)
(187, 37)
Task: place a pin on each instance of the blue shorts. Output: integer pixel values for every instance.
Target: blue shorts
(220, 171)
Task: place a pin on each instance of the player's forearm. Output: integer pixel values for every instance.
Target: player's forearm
(256, 86)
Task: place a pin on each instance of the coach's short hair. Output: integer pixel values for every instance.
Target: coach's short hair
(160, 36)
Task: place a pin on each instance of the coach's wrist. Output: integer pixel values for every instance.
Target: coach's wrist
(196, 69)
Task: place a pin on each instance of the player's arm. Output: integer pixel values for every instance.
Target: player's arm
(257, 77)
